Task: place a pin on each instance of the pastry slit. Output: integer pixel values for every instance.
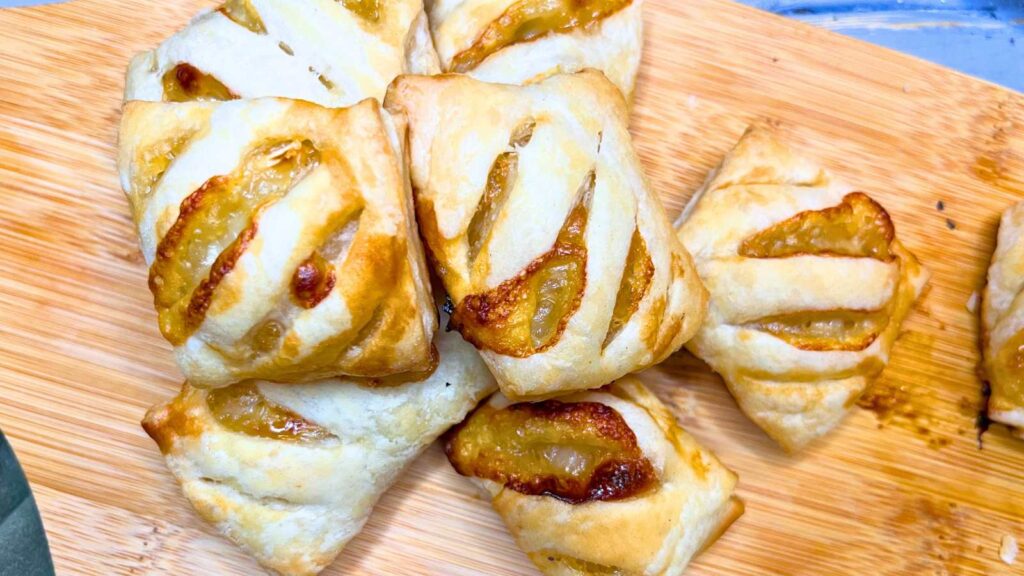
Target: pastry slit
(528, 20)
(368, 10)
(826, 330)
(315, 277)
(312, 281)
(327, 83)
(636, 281)
(185, 83)
(243, 13)
(221, 217)
(154, 164)
(244, 409)
(575, 565)
(574, 451)
(560, 283)
(500, 181)
(272, 501)
(527, 313)
(857, 227)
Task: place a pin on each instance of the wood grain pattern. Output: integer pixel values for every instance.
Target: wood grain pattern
(908, 493)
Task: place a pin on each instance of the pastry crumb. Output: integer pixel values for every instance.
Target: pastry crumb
(1008, 549)
(972, 302)
(950, 224)
(691, 102)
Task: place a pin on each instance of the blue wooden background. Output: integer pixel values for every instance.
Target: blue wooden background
(982, 38)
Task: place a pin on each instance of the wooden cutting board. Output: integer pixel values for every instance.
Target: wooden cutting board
(901, 488)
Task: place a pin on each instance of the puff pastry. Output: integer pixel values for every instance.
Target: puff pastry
(280, 239)
(520, 41)
(1002, 319)
(808, 284)
(291, 473)
(561, 264)
(332, 52)
(600, 482)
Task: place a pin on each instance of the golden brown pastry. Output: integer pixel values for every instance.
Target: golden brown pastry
(520, 41)
(808, 284)
(560, 262)
(291, 473)
(1002, 318)
(279, 237)
(332, 52)
(599, 482)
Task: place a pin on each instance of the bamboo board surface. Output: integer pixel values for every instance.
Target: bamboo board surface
(898, 489)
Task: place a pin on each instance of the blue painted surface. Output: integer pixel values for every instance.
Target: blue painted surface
(13, 3)
(982, 38)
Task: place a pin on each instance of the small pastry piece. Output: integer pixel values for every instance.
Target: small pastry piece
(521, 41)
(560, 261)
(1002, 322)
(280, 239)
(600, 482)
(808, 284)
(291, 473)
(332, 52)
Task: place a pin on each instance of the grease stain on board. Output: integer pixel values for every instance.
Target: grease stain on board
(936, 529)
(900, 404)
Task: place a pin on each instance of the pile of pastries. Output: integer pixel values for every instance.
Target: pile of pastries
(362, 218)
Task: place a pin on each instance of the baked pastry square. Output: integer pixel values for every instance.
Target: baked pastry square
(1002, 321)
(291, 473)
(521, 41)
(599, 482)
(561, 264)
(332, 52)
(808, 284)
(279, 237)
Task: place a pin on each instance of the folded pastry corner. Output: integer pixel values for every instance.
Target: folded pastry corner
(597, 482)
(280, 238)
(1002, 323)
(808, 284)
(560, 261)
(291, 472)
(522, 41)
(331, 52)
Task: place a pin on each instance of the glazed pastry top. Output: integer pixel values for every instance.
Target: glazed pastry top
(280, 239)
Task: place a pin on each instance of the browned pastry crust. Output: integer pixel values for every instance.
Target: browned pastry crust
(600, 482)
(280, 239)
(560, 261)
(808, 284)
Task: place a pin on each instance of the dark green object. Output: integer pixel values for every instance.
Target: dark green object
(23, 548)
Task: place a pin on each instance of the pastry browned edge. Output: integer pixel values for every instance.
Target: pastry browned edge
(562, 266)
(1002, 324)
(809, 286)
(597, 482)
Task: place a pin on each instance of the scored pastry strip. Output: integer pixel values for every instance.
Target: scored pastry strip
(291, 473)
(542, 228)
(521, 41)
(280, 239)
(808, 285)
(857, 227)
(1002, 323)
(333, 52)
(600, 482)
